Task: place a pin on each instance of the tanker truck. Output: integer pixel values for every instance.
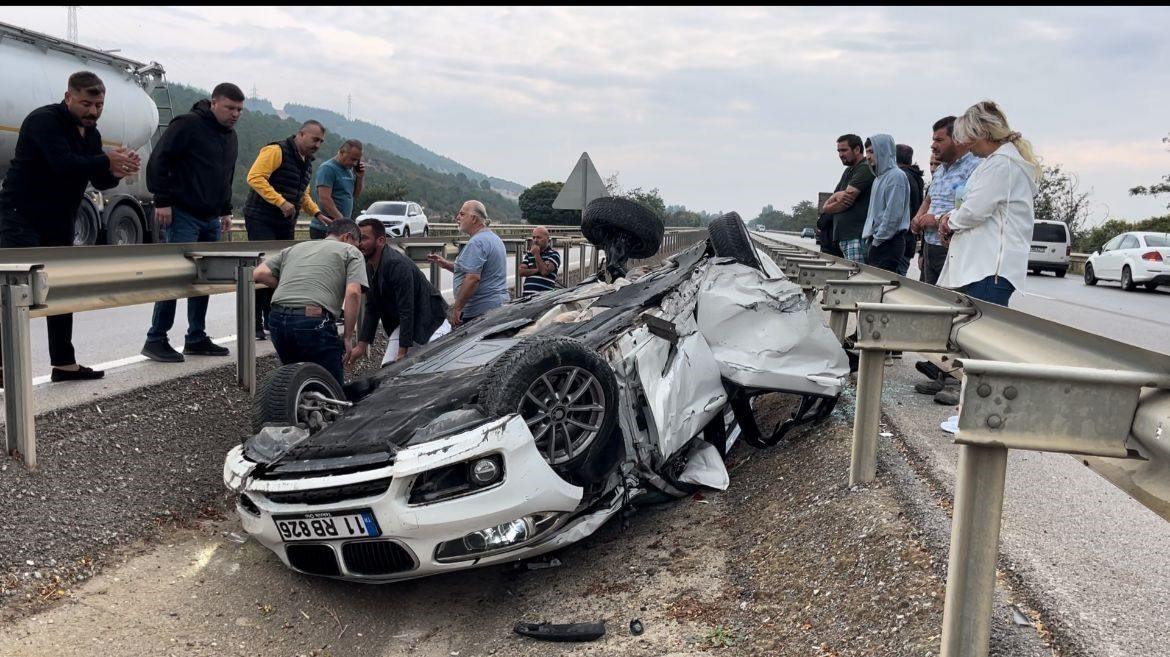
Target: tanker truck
(34, 70)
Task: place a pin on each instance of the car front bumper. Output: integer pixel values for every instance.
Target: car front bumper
(410, 534)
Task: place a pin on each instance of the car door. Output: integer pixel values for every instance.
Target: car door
(1107, 264)
(413, 219)
(1128, 250)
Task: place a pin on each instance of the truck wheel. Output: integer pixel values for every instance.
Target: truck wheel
(85, 225)
(297, 393)
(123, 226)
(564, 391)
(730, 239)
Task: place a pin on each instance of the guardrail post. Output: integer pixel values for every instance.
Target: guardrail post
(517, 280)
(884, 327)
(566, 251)
(974, 551)
(246, 329)
(216, 267)
(1009, 406)
(21, 287)
(841, 297)
(581, 261)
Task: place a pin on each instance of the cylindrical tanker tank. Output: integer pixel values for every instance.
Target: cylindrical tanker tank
(34, 71)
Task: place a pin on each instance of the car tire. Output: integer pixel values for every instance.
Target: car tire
(123, 226)
(406, 232)
(608, 215)
(280, 399)
(1060, 272)
(1090, 278)
(426, 230)
(730, 239)
(544, 379)
(1127, 283)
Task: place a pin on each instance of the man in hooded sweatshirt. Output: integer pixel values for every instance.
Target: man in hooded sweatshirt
(190, 174)
(887, 221)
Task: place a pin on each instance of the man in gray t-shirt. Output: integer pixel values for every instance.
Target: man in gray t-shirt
(481, 269)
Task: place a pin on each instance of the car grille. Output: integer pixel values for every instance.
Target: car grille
(332, 494)
(376, 558)
(313, 559)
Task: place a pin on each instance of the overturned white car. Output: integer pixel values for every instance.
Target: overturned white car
(527, 429)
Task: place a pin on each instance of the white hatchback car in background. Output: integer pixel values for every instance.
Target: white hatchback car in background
(1051, 248)
(1134, 258)
(401, 218)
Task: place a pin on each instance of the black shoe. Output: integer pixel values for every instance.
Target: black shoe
(205, 348)
(261, 335)
(162, 352)
(82, 373)
(928, 369)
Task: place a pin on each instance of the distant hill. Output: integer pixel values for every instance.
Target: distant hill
(388, 176)
(373, 134)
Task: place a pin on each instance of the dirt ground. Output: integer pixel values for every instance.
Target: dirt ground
(787, 561)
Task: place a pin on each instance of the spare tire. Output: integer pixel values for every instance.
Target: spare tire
(282, 398)
(607, 217)
(730, 239)
(565, 392)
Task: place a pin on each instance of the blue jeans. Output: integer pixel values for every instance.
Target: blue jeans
(302, 339)
(184, 228)
(992, 289)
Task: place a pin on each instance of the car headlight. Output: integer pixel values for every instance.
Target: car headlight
(499, 538)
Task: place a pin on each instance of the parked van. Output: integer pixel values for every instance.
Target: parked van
(1051, 247)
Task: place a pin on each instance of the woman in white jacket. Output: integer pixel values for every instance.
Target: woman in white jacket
(990, 232)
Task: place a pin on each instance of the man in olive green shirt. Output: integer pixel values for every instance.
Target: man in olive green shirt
(849, 203)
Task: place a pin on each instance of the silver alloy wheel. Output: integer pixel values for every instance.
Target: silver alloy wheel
(564, 410)
(313, 407)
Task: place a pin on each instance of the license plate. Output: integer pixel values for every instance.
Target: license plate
(1037, 249)
(326, 525)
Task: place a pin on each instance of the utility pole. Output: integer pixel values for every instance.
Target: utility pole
(255, 94)
(349, 107)
(71, 29)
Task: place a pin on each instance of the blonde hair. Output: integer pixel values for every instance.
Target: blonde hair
(985, 120)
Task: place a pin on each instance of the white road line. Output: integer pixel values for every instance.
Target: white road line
(123, 362)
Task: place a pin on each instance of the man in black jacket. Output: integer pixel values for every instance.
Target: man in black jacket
(411, 309)
(190, 174)
(58, 153)
(904, 155)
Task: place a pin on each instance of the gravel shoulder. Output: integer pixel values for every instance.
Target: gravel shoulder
(787, 561)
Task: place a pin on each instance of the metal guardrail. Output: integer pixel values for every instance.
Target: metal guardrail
(1028, 383)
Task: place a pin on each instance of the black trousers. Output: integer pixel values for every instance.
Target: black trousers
(259, 229)
(15, 233)
(933, 259)
(887, 255)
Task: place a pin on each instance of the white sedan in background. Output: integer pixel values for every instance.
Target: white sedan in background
(1134, 258)
(401, 218)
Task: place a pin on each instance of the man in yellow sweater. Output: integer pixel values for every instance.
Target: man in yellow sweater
(279, 179)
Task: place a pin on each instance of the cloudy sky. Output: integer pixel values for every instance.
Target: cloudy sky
(718, 108)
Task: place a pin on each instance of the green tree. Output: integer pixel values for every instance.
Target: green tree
(485, 185)
(536, 206)
(1161, 187)
(804, 215)
(1059, 198)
